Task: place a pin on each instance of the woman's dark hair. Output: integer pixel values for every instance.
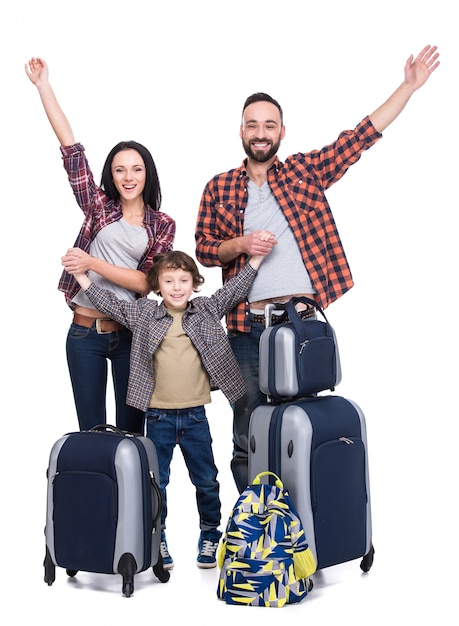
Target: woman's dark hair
(262, 97)
(173, 260)
(152, 191)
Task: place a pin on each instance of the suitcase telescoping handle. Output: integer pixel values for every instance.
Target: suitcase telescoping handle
(269, 308)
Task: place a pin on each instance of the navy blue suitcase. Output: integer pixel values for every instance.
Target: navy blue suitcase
(300, 357)
(318, 447)
(103, 506)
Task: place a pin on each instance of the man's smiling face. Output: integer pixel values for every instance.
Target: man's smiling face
(261, 131)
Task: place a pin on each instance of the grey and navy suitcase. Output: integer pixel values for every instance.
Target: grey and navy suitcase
(103, 506)
(318, 447)
(299, 357)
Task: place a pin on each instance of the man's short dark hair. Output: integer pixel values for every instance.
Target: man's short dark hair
(263, 97)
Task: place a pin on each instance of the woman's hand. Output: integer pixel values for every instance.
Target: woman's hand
(76, 261)
(37, 71)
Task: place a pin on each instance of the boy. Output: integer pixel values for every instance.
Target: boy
(180, 352)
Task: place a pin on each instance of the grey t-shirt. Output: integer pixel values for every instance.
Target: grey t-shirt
(119, 244)
(282, 273)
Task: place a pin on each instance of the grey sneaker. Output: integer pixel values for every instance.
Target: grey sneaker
(207, 546)
(164, 551)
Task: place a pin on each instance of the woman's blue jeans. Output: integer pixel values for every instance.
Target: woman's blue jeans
(189, 429)
(88, 354)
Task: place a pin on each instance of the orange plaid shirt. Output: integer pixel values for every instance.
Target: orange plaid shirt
(299, 187)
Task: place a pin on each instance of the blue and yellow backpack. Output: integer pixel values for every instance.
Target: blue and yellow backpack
(264, 557)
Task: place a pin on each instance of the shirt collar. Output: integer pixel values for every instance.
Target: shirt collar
(276, 164)
(161, 310)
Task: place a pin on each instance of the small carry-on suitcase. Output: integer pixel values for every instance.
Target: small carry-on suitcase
(299, 357)
(318, 447)
(103, 506)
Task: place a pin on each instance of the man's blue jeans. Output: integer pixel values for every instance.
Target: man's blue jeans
(88, 354)
(189, 429)
(245, 347)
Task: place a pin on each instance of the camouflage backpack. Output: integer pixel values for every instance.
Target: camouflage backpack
(264, 557)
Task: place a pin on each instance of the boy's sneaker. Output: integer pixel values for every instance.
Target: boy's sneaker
(167, 559)
(207, 546)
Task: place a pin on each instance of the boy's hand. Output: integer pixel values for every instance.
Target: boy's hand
(260, 242)
(76, 261)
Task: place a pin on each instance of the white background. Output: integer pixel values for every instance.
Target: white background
(174, 76)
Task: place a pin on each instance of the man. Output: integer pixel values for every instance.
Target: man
(287, 200)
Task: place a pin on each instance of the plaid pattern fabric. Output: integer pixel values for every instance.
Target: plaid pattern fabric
(149, 322)
(100, 212)
(299, 186)
(258, 554)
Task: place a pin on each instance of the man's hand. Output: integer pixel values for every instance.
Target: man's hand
(260, 242)
(419, 70)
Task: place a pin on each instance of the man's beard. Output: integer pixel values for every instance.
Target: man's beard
(260, 155)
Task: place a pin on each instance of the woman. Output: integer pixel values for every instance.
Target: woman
(122, 232)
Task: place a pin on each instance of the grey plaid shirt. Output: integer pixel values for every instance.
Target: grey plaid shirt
(149, 322)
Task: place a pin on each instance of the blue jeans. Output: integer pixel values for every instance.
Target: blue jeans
(245, 347)
(88, 354)
(189, 429)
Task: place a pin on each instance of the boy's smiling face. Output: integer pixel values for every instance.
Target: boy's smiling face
(176, 287)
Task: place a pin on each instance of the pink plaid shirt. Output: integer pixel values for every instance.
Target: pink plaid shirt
(99, 212)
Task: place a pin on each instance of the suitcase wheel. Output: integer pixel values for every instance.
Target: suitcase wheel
(71, 572)
(367, 560)
(127, 567)
(50, 569)
(161, 574)
(128, 588)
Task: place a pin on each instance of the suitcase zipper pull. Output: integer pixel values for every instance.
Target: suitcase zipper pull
(346, 440)
(303, 345)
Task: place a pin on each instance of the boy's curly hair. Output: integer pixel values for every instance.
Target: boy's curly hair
(173, 260)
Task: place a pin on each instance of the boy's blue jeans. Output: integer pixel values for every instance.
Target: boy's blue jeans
(189, 429)
(88, 354)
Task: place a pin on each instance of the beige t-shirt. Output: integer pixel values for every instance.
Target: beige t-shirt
(181, 379)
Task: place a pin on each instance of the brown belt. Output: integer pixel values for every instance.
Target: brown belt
(103, 325)
(283, 318)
